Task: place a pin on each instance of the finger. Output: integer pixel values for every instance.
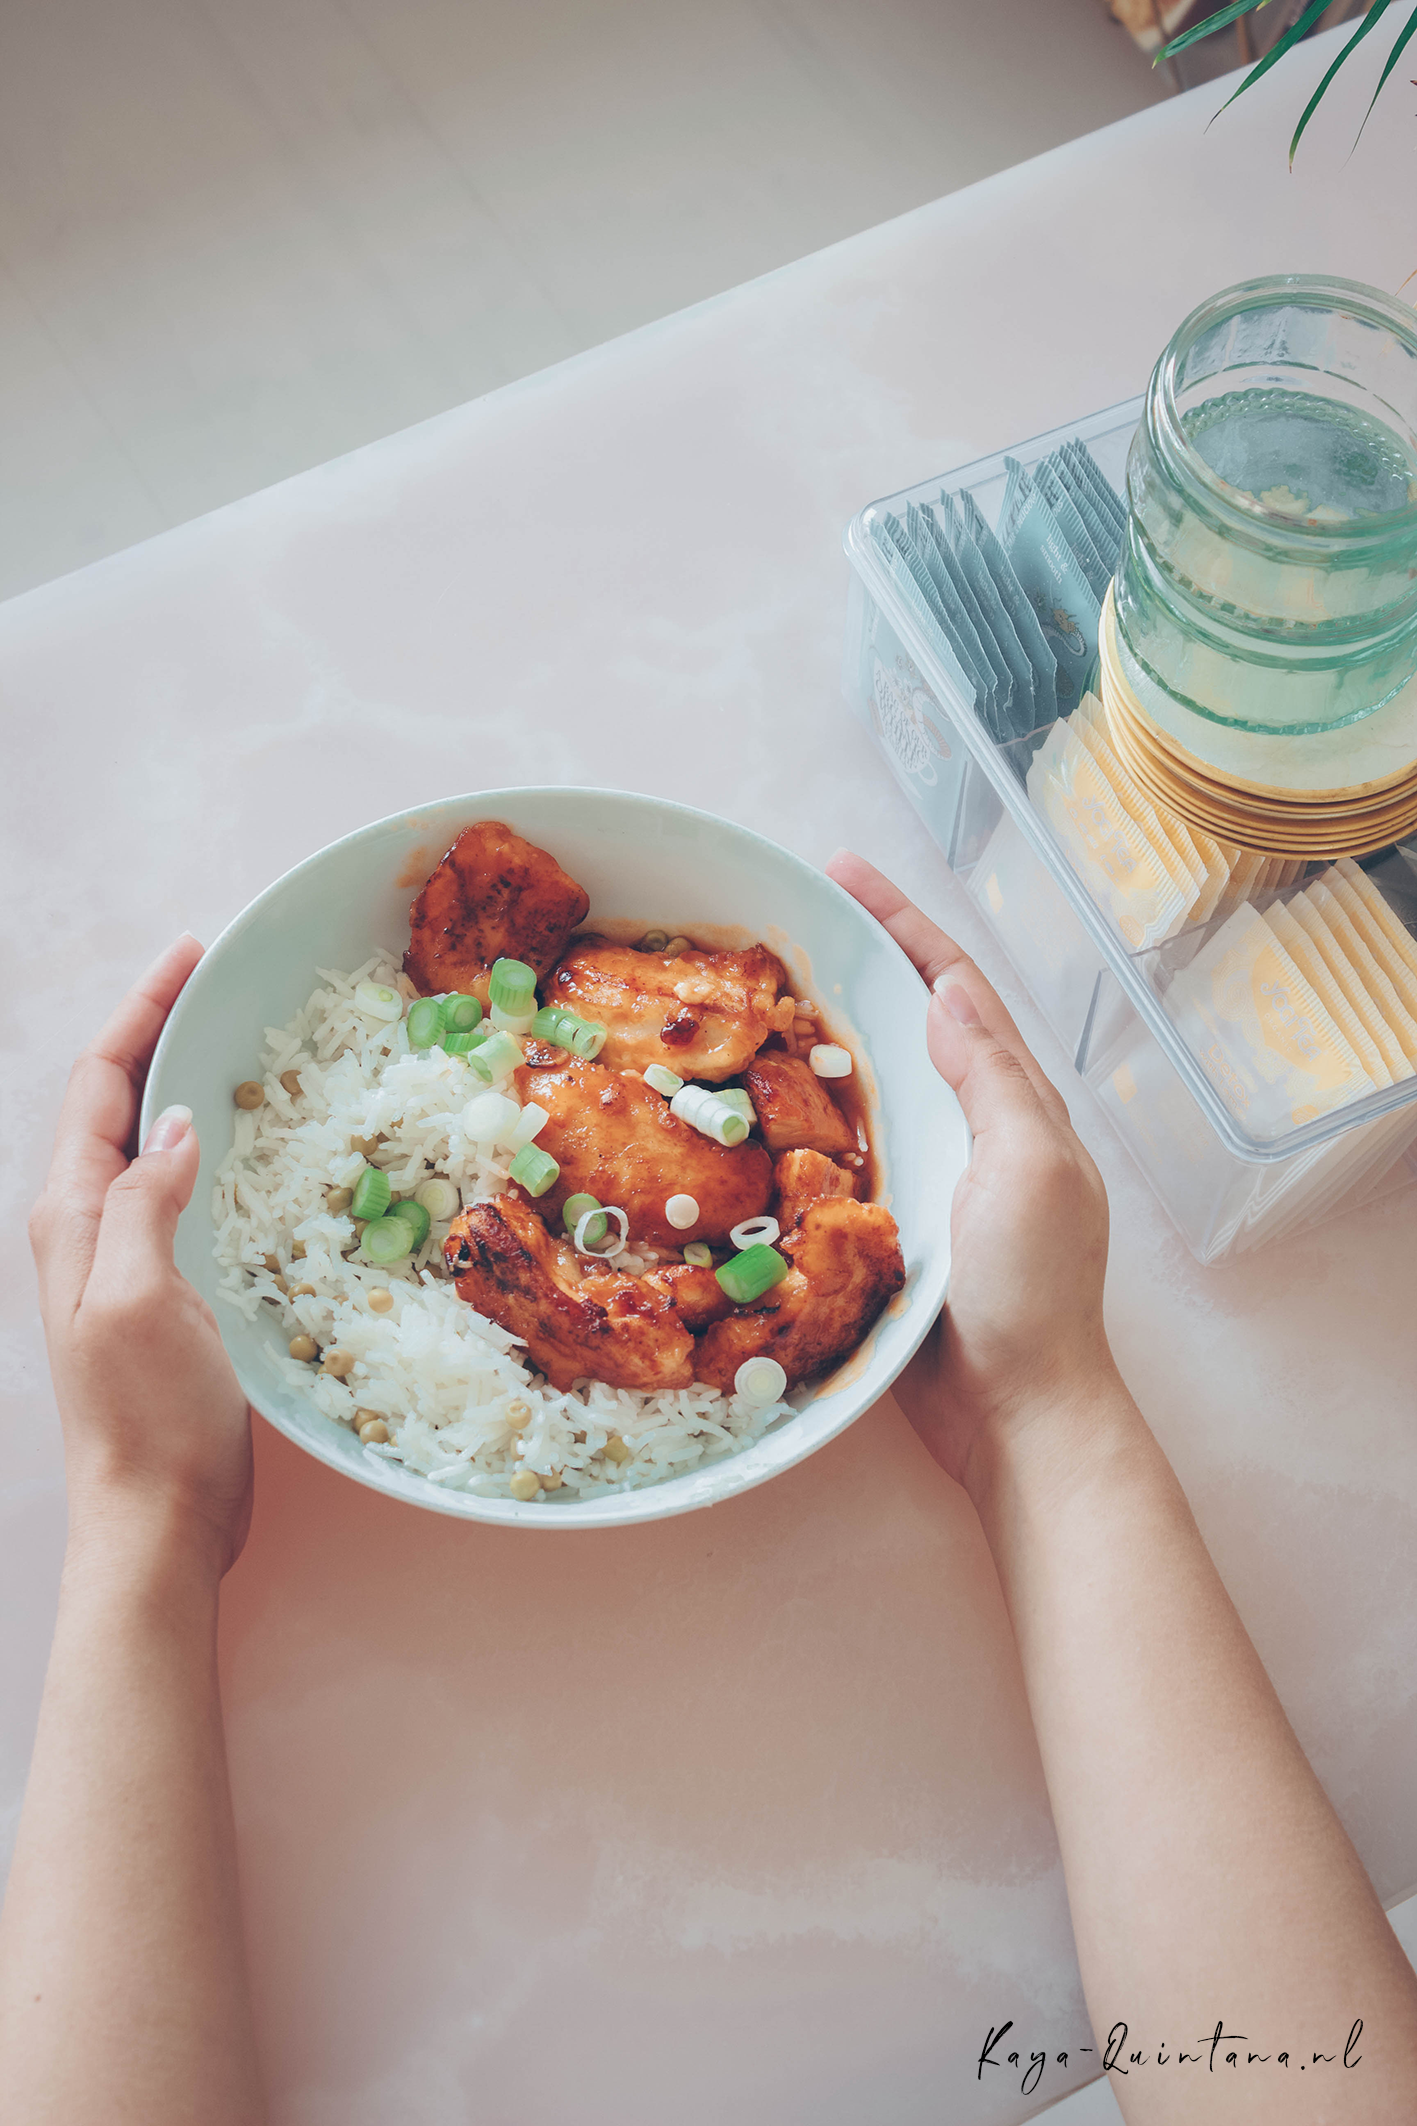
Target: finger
(97, 1119)
(939, 960)
(133, 1258)
(996, 1092)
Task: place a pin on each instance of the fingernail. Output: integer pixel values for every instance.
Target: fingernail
(169, 1129)
(957, 1002)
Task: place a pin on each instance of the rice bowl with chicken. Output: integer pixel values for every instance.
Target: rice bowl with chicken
(545, 1212)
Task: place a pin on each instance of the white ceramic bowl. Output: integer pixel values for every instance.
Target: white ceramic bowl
(639, 859)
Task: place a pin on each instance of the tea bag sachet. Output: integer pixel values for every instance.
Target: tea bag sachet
(1016, 603)
(1386, 1002)
(1069, 610)
(1260, 1033)
(1182, 863)
(1102, 534)
(1312, 965)
(925, 609)
(1124, 874)
(949, 617)
(1086, 470)
(1074, 529)
(1353, 983)
(949, 529)
(1380, 927)
(1206, 861)
(956, 593)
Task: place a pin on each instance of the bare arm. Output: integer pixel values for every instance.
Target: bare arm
(1207, 1872)
(123, 1993)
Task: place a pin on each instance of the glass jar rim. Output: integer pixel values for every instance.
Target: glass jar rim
(1275, 291)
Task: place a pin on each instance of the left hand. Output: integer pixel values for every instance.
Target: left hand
(153, 1418)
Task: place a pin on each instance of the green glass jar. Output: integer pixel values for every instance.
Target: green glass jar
(1268, 577)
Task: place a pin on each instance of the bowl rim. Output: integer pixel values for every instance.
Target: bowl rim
(711, 1483)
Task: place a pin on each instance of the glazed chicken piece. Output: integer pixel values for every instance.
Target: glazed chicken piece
(493, 896)
(806, 1177)
(794, 1109)
(615, 1139)
(506, 1265)
(846, 1264)
(692, 1290)
(702, 1015)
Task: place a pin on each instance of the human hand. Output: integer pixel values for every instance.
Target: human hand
(153, 1418)
(1022, 1332)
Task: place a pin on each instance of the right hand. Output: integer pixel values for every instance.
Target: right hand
(1022, 1331)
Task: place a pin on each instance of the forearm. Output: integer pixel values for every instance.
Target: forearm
(1207, 1873)
(123, 1991)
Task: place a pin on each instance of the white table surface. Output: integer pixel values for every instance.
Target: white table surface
(739, 1815)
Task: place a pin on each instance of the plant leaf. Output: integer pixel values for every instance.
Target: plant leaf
(1369, 21)
(1404, 38)
(1208, 28)
(1276, 52)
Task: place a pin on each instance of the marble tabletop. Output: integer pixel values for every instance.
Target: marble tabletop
(740, 1814)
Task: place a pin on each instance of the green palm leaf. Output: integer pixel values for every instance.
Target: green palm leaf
(1286, 42)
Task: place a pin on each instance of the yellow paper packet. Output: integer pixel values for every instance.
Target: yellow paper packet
(1311, 964)
(1386, 1004)
(1124, 874)
(1260, 1033)
(1379, 926)
(1167, 834)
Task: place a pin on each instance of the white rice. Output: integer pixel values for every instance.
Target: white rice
(439, 1374)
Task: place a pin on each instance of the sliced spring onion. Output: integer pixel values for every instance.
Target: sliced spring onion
(704, 1111)
(583, 1037)
(499, 1055)
(517, 1022)
(461, 1013)
(425, 1022)
(755, 1231)
(371, 1194)
(683, 1211)
(664, 1080)
(700, 1254)
(735, 1097)
(830, 1061)
(678, 946)
(490, 1118)
(377, 1002)
(575, 1209)
(760, 1380)
(653, 941)
(462, 1044)
(414, 1216)
(386, 1240)
(584, 1224)
(512, 986)
(532, 1121)
(747, 1276)
(534, 1169)
(439, 1198)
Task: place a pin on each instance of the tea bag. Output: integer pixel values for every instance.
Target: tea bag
(1167, 837)
(944, 567)
(1385, 998)
(1069, 611)
(1073, 528)
(1262, 1036)
(1311, 964)
(903, 580)
(1380, 927)
(1089, 474)
(1100, 530)
(948, 615)
(1020, 715)
(1352, 981)
(1126, 876)
(1015, 601)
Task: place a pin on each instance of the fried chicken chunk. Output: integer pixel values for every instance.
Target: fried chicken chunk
(493, 896)
(794, 1108)
(806, 1177)
(615, 1139)
(692, 1290)
(846, 1263)
(702, 1015)
(506, 1264)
